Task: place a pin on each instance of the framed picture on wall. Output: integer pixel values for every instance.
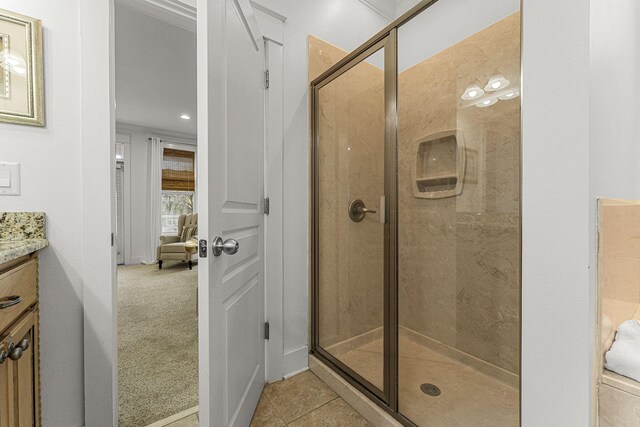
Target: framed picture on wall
(21, 82)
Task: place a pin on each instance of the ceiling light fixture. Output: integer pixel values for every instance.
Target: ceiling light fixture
(510, 95)
(496, 82)
(472, 92)
(185, 117)
(487, 102)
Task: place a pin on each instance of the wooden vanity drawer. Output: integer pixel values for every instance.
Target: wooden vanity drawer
(18, 291)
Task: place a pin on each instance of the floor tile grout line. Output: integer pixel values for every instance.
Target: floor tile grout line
(274, 409)
(313, 410)
(306, 413)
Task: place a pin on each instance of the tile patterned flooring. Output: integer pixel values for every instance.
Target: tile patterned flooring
(304, 400)
(300, 401)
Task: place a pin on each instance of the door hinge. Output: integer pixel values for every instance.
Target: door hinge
(266, 79)
(266, 330)
(266, 206)
(113, 239)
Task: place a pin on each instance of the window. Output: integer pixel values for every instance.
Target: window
(174, 204)
(178, 186)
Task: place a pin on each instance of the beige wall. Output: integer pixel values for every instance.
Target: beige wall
(459, 257)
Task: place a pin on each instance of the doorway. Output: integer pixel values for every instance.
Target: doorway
(156, 154)
(243, 269)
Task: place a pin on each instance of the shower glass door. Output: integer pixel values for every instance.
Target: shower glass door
(350, 226)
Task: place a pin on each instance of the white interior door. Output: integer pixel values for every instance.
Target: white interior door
(230, 194)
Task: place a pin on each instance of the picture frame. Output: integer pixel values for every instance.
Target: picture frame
(21, 72)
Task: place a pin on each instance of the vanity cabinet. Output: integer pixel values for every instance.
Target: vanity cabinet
(19, 344)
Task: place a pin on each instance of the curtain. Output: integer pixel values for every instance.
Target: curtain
(156, 149)
(178, 170)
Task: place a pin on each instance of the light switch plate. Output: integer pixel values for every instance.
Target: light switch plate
(12, 172)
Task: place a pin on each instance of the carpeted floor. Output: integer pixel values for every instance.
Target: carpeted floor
(157, 342)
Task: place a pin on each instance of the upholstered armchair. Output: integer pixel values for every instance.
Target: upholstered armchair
(173, 247)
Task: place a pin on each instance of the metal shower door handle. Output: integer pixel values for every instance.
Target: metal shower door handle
(229, 246)
(358, 210)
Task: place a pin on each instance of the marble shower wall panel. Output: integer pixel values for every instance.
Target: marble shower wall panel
(619, 250)
(351, 165)
(618, 265)
(459, 257)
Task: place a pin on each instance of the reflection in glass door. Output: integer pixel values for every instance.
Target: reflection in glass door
(350, 218)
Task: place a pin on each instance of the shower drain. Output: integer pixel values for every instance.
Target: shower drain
(430, 389)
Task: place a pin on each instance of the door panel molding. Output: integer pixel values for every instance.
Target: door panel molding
(231, 144)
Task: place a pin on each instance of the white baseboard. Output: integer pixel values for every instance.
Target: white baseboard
(295, 361)
(173, 418)
(135, 260)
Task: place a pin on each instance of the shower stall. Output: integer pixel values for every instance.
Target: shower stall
(416, 213)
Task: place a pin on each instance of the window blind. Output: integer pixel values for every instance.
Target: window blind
(178, 170)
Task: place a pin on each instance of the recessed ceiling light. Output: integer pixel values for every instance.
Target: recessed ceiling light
(496, 82)
(185, 117)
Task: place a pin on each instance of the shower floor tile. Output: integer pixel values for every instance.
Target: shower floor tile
(468, 396)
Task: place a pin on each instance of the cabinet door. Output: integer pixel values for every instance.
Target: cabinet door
(19, 377)
(7, 395)
(24, 384)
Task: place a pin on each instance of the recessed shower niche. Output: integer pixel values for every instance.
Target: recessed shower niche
(438, 170)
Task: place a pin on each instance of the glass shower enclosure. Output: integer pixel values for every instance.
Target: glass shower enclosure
(416, 213)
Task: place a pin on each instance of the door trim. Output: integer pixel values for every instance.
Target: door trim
(98, 182)
(274, 222)
(126, 140)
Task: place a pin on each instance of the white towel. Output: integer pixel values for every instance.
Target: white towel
(624, 355)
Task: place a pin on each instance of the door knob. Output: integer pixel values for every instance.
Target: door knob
(358, 210)
(229, 246)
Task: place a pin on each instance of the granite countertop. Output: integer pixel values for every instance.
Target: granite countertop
(21, 233)
(12, 249)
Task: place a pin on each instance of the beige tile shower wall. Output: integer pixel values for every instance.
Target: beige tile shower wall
(459, 257)
(618, 265)
(351, 144)
(619, 250)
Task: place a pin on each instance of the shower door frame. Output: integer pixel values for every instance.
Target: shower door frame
(387, 395)
(387, 39)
